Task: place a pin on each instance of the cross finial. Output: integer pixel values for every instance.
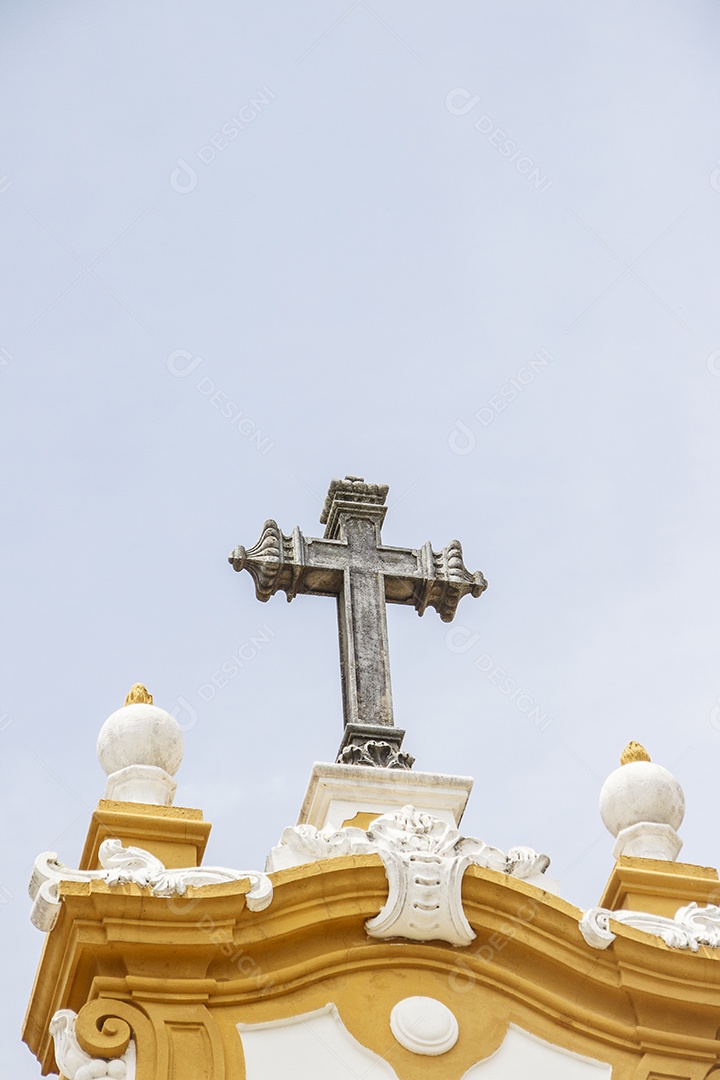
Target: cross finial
(351, 563)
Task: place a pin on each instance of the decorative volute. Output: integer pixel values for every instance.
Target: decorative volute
(643, 806)
(140, 747)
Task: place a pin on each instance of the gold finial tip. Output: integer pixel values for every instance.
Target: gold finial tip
(138, 695)
(634, 751)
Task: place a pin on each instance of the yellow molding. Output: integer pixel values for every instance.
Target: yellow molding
(528, 965)
(362, 820)
(658, 887)
(416, 959)
(176, 835)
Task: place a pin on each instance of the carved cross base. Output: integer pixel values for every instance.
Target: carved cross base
(374, 745)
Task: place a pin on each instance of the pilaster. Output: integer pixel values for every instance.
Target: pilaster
(176, 835)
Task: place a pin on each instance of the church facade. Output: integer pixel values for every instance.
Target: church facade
(379, 941)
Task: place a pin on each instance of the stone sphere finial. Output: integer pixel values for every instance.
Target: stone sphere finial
(643, 806)
(140, 747)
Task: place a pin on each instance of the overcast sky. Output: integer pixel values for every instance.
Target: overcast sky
(466, 249)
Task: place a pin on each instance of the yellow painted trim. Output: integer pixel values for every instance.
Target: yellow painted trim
(362, 820)
(176, 835)
(659, 887)
(207, 956)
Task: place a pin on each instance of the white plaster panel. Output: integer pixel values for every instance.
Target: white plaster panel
(336, 793)
(524, 1055)
(313, 1046)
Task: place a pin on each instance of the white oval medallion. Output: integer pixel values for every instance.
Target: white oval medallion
(424, 1025)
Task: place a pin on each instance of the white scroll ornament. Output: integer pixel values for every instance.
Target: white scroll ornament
(132, 866)
(75, 1064)
(692, 926)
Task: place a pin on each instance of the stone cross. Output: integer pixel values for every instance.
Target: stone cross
(352, 564)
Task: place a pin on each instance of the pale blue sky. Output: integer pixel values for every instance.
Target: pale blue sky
(361, 270)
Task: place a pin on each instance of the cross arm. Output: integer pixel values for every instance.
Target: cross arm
(295, 564)
(427, 578)
(292, 564)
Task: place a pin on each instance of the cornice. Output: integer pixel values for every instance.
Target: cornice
(637, 996)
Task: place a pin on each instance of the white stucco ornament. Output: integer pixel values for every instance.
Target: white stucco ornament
(692, 926)
(424, 1025)
(133, 866)
(75, 1064)
(643, 806)
(424, 859)
(140, 747)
